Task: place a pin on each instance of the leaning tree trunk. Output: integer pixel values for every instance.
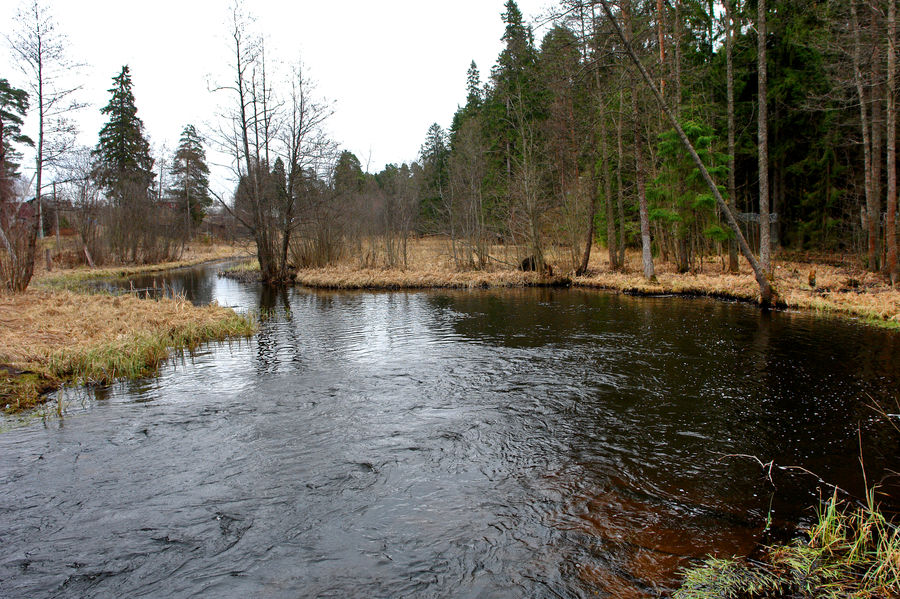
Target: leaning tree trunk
(765, 289)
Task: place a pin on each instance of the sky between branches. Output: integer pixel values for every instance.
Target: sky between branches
(391, 68)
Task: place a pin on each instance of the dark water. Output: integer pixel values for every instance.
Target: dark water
(537, 443)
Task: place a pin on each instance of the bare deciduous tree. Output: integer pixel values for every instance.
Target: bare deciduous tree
(40, 50)
(257, 128)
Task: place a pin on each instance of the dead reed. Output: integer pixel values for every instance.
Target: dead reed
(48, 338)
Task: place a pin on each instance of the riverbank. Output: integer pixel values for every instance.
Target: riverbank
(199, 253)
(838, 285)
(49, 338)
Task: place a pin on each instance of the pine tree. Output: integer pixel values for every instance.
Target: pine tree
(190, 175)
(13, 106)
(124, 166)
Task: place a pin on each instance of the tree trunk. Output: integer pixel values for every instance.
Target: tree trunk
(620, 189)
(891, 103)
(610, 220)
(646, 249)
(765, 258)
(662, 47)
(677, 52)
(607, 192)
(765, 289)
(872, 204)
(729, 68)
(639, 174)
(877, 134)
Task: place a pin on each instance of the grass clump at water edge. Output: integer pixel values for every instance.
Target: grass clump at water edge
(849, 553)
(142, 354)
(51, 338)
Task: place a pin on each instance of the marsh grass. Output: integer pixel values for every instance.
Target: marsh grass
(50, 338)
(842, 287)
(850, 552)
(69, 278)
(246, 271)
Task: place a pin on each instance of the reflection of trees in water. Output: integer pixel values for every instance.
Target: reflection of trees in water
(197, 285)
(780, 386)
(278, 340)
(271, 297)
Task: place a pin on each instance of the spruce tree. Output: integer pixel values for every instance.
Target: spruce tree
(473, 87)
(13, 106)
(434, 155)
(190, 176)
(123, 166)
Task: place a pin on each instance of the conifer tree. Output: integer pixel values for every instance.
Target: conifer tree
(13, 106)
(473, 87)
(17, 241)
(434, 154)
(190, 175)
(123, 163)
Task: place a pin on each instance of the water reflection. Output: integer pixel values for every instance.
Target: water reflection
(538, 443)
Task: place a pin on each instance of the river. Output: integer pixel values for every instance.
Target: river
(485, 443)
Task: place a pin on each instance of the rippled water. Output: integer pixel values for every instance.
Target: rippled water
(518, 443)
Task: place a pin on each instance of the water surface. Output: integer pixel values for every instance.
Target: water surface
(517, 443)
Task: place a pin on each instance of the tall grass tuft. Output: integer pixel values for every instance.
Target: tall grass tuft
(851, 552)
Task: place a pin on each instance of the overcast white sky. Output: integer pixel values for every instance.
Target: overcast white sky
(391, 68)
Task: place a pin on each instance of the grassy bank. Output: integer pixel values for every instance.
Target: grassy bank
(842, 289)
(373, 278)
(64, 278)
(840, 286)
(850, 552)
(52, 337)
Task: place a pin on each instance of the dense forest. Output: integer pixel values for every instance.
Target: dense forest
(564, 141)
(563, 144)
(560, 146)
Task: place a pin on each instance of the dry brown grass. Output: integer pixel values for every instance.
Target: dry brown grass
(430, 265)
(344, 277)
(50, 337)
(196, 253)
(842, 286)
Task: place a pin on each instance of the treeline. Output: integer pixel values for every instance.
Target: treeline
(560, 146)
(565, 142)
(124, 203)
(563, 145)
